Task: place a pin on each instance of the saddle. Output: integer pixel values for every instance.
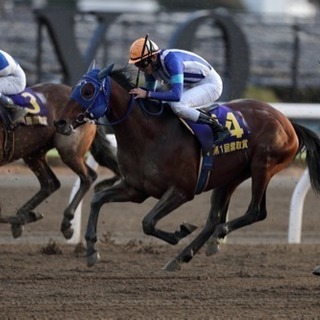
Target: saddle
(238, 140)
(37, 115)
(33, 103)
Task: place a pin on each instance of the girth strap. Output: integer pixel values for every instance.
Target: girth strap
(8, 137)
(8, 146)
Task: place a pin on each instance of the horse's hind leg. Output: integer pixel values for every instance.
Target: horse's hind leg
(48, 184)
(257, 211)
(213, 244)
(220, 199)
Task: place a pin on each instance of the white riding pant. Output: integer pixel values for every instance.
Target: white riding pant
(13, 83)
(200, 94)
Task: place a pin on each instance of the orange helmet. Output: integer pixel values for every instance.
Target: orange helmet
(141, 49)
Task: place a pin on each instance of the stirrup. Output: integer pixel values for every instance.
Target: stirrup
(221, 135)
(17, 114)
(5, 101)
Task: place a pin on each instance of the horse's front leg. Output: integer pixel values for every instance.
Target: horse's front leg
(171, 200)
(87, 177)
(120, 192)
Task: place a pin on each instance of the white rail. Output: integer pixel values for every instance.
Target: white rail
(301, 111)
(296, 208)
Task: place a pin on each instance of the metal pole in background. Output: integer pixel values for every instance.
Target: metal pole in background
(295, 63)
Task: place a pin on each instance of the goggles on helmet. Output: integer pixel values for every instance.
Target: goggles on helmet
(142, 64)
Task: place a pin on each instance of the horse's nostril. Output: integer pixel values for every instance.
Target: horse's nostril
(60, 123)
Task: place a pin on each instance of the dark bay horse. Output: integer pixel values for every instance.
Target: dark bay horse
(32, 142)
(159, 157)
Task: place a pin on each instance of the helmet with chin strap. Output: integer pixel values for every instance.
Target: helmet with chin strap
(142, 49)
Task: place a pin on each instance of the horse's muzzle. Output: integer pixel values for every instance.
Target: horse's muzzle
(63, 127)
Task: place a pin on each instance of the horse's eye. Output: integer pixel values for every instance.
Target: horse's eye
(87, 91)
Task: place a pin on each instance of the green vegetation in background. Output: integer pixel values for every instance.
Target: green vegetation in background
(307, 95)
(62, 3)
(263, 94)
(191, 5)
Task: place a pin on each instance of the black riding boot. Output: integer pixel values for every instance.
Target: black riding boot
(219, 131)
(15, 112)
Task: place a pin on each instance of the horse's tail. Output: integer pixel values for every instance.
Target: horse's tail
(310, 142)
(102, 151)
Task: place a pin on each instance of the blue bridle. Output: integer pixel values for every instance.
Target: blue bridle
(98, 104)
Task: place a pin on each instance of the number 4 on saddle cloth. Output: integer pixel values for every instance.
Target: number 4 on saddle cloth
(238, 140)
(34, 103)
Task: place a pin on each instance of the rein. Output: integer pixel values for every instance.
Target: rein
(131, 105)
(102, 98)
(143, 107)
(106, 93)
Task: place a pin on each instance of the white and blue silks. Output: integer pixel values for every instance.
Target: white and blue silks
(192, 80)
(12, 77)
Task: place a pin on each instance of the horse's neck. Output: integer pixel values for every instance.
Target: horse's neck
(130, 118)
(135, 124)
(136, 127)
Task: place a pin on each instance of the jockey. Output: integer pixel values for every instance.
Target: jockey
(12, 81)
(192, 81)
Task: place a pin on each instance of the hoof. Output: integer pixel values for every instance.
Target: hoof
(17, 219)
(185, 230)
(68, 233)
(213, 247)
(172, 265)
(189, 228)
(16, 230)
(34, 216)
(93, 259)
(316, 271)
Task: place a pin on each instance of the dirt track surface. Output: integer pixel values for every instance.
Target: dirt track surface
(256, 275)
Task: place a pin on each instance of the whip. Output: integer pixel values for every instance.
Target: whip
(144, 45)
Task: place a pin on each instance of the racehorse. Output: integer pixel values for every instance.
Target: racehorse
(159, 157)
(35, 137)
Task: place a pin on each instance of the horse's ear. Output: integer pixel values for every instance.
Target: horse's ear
(92, 65)
(103, 73)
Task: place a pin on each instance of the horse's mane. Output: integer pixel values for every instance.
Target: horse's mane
(123, 77)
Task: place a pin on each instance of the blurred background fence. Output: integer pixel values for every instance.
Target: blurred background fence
(283, 52)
